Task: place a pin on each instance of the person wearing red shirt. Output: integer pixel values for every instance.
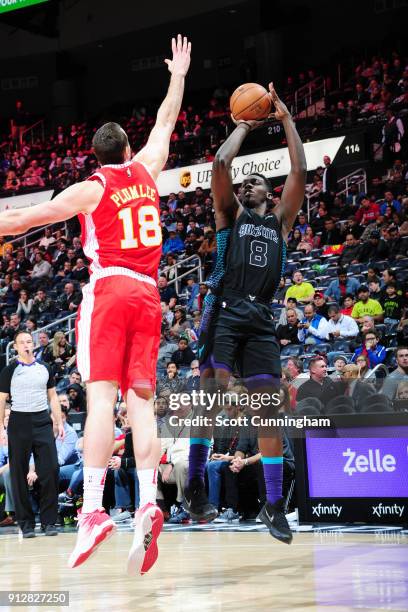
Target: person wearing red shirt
(368, 211)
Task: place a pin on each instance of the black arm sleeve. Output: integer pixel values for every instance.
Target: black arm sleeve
(51, 380)
(5, 378)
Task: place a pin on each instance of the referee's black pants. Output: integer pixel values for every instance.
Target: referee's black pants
(31, 432)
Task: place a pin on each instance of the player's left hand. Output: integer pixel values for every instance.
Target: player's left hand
(281, 110)
(181, 56)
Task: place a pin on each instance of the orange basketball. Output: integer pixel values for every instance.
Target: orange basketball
(250, 101)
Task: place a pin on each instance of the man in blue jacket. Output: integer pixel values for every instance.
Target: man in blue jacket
(375, 352)
(338, 289)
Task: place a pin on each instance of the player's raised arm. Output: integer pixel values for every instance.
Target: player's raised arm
(156, 151)
(81, 197)
(294, 191)
(226, 204)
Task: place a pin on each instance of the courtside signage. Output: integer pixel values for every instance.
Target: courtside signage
(273, 163)
(12, 5)
(358, 467)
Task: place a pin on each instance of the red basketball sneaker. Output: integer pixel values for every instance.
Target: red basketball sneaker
(148, 524)
(94, 528)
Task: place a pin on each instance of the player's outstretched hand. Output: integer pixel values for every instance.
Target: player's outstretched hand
(181, 56)
(281, 110)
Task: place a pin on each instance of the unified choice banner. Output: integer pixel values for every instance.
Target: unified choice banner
(272, 163)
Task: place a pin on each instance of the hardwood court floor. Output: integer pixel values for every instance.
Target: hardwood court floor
(219, 571)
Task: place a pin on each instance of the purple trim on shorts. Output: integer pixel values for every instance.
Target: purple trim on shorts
(220, 366)
(253, 381)
(206, 365)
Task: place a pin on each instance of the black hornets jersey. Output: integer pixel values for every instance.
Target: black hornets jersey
(256, 255)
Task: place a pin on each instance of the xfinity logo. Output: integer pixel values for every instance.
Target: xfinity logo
(372, 462)
(381, 510)
(327, 510)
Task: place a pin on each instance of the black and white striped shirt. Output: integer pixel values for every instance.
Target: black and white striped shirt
(27, 385)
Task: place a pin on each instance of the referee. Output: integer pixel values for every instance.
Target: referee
(30, 386)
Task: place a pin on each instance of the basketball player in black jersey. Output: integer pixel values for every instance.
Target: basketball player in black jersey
(244, 333)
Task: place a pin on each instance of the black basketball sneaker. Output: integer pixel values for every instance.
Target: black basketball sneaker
(273, 516)
(196, 502)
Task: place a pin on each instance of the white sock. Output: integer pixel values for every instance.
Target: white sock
(147, 486)
(94, 482)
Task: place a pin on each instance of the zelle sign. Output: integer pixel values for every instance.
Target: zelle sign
(372, 462)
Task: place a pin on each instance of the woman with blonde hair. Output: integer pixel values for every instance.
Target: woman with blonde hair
(58, 353)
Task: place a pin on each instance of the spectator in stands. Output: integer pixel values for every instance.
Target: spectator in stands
(193, 291)
(340, 326)
(319, 301)
(11, 327)
(350, 251)
(329, 182)
(173, 244)
(366, 306)
(160, 410)
(41, 271)
(12, 296)
(69, 301)
(375, 352)
(167, 293)
(171, 383)
(167, 316)
(399, 375)
(294, 366)
(58, 354)
(288, 334)
(312, 328)
(193, 382)
(66, 448)
(397, 246)
(339, 364)
(392, 135)
(23, 265)
(302, 225)
(244, 467)
(76, 397)
(343, 285)
(348, 304)
(294, 239)
(166, 349)
(330, 235)
(48, 239)
(375, 290)
(183, 356)
(374, 248)
(25, 304)
(80, 272)
(180, 323)
(203, 290)
(390, 201)
(291, 303)
(319, 385)
(300, 290)
(42, 304)
(392, 304)
(363, 364)
(175, 444)
(5, 247)
(73, 379)
(44, 340)
(368, 212)
(225, 444)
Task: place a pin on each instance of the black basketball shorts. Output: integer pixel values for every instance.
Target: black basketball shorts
(244, 336)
